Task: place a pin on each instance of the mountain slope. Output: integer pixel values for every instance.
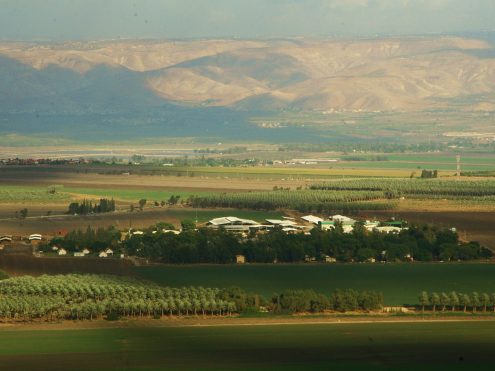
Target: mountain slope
(409, 74)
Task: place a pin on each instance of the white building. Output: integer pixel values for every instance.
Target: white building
(103, 254)
(343, 219)
(232, 223)
(312, 219)
(35, 237)
(388, 229)
(62, 252)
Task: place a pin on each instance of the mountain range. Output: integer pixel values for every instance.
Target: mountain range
(300, 74)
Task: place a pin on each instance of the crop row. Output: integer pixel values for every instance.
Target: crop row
(303, 200)
(435, 187)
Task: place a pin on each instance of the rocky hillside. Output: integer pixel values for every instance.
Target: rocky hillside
(409, 74)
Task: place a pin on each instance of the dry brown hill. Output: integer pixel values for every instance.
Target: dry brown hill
(409, 74)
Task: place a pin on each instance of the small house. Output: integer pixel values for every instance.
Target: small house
(5, 239)
(325, 226)
(86, 252)
(103, 254)
(79, 255)
(62, 252)
(240, 259)
(330, 259)
(309, 259)
(109, 251)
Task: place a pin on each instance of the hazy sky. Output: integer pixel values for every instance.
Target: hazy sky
(102, 19)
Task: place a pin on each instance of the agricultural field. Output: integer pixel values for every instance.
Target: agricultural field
(399, 283)
(462, 345)
(416, 161)
(363, 194)
(30, 194)
(419, 187)
(301, 200)
(83, 297)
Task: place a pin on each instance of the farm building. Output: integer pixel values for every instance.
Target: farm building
(232, 223)
(312, 219)
(325, 226)
(371, 225)
(240, 259)
(173, 231)
(281, 223)
(388, 229)
(35, 237)
(79, 255)
(343, 219)
(5, 239)
(329, 259)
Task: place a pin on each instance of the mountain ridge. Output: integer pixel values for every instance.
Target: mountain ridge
(375, 75)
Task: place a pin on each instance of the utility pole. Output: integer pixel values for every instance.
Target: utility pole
(458, 160)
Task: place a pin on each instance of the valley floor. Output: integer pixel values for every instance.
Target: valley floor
(149, 345)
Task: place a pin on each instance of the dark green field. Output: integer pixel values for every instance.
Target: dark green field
(400, 283)
(454, 345)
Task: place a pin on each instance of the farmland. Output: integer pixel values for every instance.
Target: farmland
(400, 283)
(376, 346)
(302, 200)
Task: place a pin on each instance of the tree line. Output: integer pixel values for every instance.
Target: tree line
(455, 301)
(421, 243)
(298, 301)
(86, 207)
(79, 297)
(94, 240)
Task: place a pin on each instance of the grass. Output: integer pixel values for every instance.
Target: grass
(400, 283)
(30, 193)
(41, 194)
(132, 194)
(408, 346)
(412, 165)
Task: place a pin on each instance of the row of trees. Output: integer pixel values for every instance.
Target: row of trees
(90, 296)
(79, 297)
(433, 187)
(295, 301)
(456, 301)
(302, 200)
(86, 207)
(421, 243)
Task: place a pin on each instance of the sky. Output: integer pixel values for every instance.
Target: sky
(60, 20)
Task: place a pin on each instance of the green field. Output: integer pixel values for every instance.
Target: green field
(132, 194)
(400, 283)
(30, 193)
(378, 346)
(41, 194)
